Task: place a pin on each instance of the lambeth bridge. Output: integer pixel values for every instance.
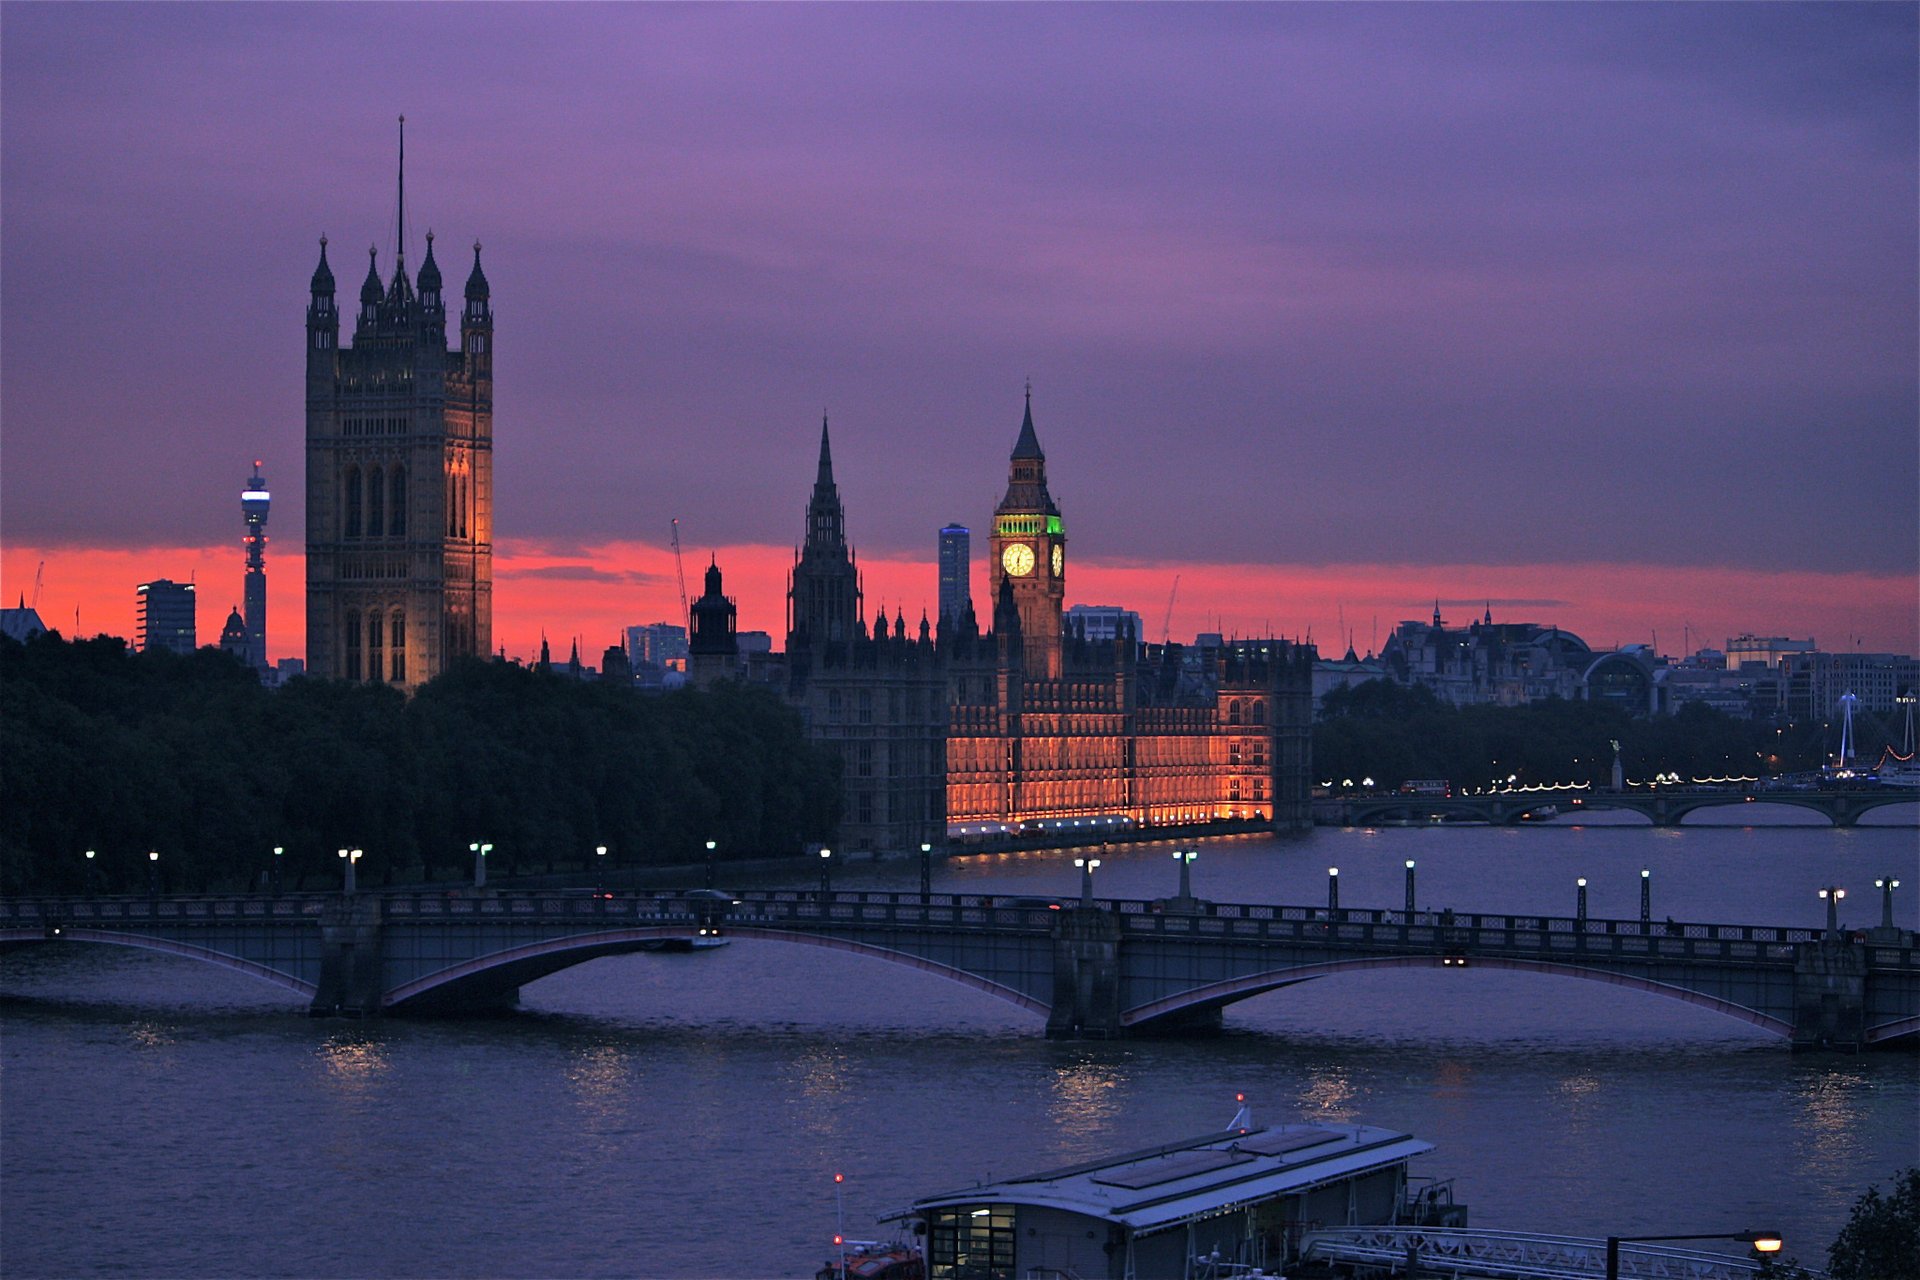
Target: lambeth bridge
(1092, 969)
(1662, 806)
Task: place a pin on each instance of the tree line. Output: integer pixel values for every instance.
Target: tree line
(188, 756)
(1392, 733)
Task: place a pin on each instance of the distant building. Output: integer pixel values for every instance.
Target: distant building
(1813, 683)
(657, 653)
(255, 501)
(21, 624)
(165, 615)
(1033, 724)
(1767, 651)
(713, 649)
(1344, 673)
(1505, 663)
(956, 573)
(399, 466)
(233, 636)
(1104, 622)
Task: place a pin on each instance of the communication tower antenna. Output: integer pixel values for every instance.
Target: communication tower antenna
(1166, 627)
(685, 609)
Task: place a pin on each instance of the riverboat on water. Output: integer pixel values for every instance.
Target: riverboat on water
(1235, 1202)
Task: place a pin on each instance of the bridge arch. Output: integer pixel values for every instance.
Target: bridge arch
(166, 946)
(493, 978)
(1219, 994)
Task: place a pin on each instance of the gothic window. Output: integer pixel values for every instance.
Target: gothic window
(866, 706)
(351, 527)
(453, 507)
(866, 760)
(833, 704)
(1233, 712)
(375, 631)
(350, 632)
(1259, 711)
(397, 508)
(399, 646)
(1233, 753)
(1233, 789)
(376, 502)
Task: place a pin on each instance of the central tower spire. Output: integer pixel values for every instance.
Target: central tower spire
(400, 239)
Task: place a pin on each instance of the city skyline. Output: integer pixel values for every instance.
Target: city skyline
(1604, 318)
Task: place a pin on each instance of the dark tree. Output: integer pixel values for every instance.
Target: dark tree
(1881, 1240)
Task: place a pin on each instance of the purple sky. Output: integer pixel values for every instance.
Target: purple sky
(1296, 284)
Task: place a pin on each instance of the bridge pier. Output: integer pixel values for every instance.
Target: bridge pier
(1086, 976)
(1829, 996)
(350, 959)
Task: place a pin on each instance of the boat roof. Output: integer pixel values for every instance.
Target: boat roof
(1163, 1186)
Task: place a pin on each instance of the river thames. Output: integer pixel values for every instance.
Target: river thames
(683, 1115)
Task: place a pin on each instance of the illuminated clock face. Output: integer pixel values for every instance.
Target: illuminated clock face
(1017, 559)
(1059, 559)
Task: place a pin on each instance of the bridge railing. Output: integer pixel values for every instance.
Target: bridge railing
(168, 909)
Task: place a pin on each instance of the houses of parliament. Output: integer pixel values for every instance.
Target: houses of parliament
(941, 730)
(950, 729)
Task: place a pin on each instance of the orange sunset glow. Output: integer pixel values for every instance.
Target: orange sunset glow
(593, 592)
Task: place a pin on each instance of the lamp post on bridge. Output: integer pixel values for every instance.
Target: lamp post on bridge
(1086, 866)
(711, 846)
(1333, 890)
(826, 873)
(1646, 896)
(1409, 890)
(351, 857)
(926, 873)
(600, 866)
(480, 852)
(1185, 858)
(1580, 900)
(1762, 1242)
(1885, 884)
(153, 873)
(273, 869)
(1832, 894)
(86, 872)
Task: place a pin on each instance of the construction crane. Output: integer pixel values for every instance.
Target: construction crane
(685, 611)
(1166, 627)
(37, 573)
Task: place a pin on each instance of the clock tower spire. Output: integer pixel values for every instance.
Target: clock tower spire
(1029, 549)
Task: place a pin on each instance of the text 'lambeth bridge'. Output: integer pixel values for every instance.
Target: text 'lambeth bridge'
(1091, 968)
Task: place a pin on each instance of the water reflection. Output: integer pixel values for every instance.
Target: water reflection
(1085, 1099)
(1827, 1117)
(598, 1079)
(354, 1062)
(1328, 1095)
(819, 1081)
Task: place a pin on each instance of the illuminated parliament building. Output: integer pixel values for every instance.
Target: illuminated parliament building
(1029, 724)
(399, 477)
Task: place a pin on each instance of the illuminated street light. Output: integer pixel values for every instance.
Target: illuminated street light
(1086, 866)
(273, 879)
(711, 846)
(1409, 890)
(1832, 894)
(926, 873)
(1762, 1242)
(351, 857)
(826, 873)
(1580, 900)
(1185, 858)
(1646, 895)
(600, 866)
(1885, 884)
(153, 873)
(1333, 889)
(480, 852)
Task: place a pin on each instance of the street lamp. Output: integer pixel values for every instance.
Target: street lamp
(1086, 866)
(826, 873)
(1762, 1242)
(1580, 900)
(153, 873)
(600, 865)
(1409, 890)
(1185, 858)
(1833, 893)
(1646, 896)
(351, 857)
(1333, 890)
(711, 845)
(480, 852)
(86, 886)
(926, 873)
(1885, 884)
(279, 852)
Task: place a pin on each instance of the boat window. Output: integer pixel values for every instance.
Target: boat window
(971, 1244)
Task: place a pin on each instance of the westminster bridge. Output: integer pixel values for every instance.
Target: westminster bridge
(1662, 806)
(1090, 968)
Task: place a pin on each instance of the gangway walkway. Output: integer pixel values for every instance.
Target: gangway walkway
(1511, 1255)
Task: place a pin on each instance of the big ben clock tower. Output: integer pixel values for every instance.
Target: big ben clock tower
(1029, 549)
